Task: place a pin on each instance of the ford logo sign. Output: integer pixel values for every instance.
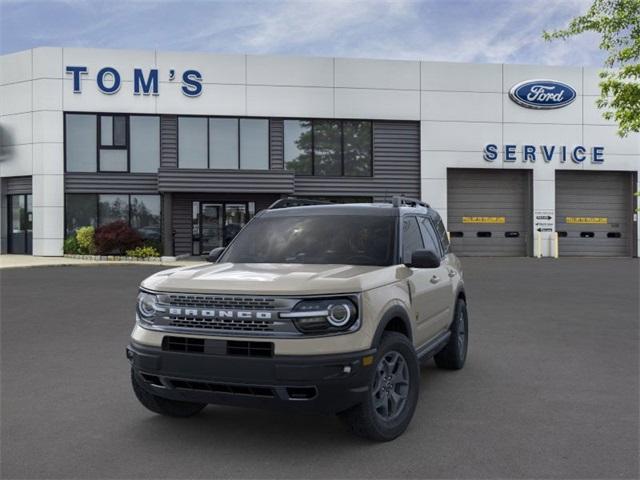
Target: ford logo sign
(542, 94)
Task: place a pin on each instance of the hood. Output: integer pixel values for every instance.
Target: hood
(271, 278)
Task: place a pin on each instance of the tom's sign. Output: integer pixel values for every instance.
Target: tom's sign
(542, 94)
(108, 80)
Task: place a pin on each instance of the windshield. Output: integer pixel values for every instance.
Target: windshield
(319, 239)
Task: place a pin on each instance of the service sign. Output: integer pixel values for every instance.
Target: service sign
(485, 220)
(544, 220)
(542, 94)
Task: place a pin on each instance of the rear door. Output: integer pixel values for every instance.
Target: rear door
(430, 287)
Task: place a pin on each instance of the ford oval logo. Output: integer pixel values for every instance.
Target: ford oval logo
(542, 94)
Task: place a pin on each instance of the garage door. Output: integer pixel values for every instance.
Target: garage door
(488, 212)
(594, 213)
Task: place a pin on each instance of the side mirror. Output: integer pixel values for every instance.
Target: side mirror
(424, 259)
(215, 254)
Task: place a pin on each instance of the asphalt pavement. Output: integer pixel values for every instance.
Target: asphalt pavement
(550, 389)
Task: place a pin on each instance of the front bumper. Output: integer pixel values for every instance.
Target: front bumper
(319, 383)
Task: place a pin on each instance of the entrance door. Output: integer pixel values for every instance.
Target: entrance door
(211, 226)
(20, 221)
(234, 219)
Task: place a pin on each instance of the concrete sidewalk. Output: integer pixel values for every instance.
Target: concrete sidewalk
(25, 261)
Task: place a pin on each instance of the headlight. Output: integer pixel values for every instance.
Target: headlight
(330, 315)
(147, 306)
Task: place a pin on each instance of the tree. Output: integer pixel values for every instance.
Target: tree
(618, 23)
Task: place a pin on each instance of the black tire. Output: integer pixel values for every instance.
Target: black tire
(454, 354)
(366, 420)
(164, 406)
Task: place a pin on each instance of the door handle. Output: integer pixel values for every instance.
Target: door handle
(435, 279)
(452, 273)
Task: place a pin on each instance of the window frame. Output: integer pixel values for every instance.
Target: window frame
(401, 231)
(341, 121)
(101, 147)
(232, 117)
(98, 116)
(435, 237)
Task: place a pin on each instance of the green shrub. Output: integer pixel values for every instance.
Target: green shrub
(71, 245)
(84, 237)
(143, 252)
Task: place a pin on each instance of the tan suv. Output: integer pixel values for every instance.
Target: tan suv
(324, 308)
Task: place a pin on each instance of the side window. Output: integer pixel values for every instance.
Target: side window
(411, 238)
(431, 241)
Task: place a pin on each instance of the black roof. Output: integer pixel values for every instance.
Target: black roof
(368, 209)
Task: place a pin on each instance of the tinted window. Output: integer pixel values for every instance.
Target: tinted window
(357, 148)
(327, 148)
(254, 144)
(81, 210)
(80, 142)
(297, 146)
(192, 142)
(429, 236)
(113, 160)
(112, 208)
(411, 238)
(145, 216)
(441, 231)
(321, 239)
(223, 143)
(145, 143)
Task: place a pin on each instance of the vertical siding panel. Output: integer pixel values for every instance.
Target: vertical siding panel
(276, 143)
(168, 141)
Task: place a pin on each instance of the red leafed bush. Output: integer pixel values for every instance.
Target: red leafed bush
(116, 238)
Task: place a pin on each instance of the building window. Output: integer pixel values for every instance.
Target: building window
(192, 142)
(144, 132)
(357, 143)
(223, 143)
(80, 142)
(297, 146)
(142, 212)
(329, 147)
(112, 143)
(254, 144)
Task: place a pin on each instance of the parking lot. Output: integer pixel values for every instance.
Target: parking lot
(550, 389)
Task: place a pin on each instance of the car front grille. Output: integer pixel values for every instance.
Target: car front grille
(226, 324)
(223, 302)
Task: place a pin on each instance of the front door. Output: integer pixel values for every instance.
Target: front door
(20, 221)
(211, 226)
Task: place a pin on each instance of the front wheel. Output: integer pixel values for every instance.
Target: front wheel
(393, 392)
(454, 353)
(164, 406)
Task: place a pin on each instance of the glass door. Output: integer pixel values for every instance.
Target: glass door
(211, 225)
(20, 224)
(235, 216)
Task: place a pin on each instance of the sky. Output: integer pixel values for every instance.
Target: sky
(484, 31)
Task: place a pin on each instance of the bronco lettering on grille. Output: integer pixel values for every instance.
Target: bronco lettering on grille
(209, 313)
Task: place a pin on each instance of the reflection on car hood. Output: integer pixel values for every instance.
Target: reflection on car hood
(271, 278)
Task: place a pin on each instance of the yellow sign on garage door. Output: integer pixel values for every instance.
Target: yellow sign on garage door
(587, 220)
(484, 220)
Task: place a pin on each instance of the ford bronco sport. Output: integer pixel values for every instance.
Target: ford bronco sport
(323, 308)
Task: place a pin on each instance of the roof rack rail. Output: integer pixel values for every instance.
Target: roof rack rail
(400, 200)
(295, 202)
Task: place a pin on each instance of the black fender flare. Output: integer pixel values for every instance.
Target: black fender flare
(395, 311)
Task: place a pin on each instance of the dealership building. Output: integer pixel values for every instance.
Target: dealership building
(187, 147)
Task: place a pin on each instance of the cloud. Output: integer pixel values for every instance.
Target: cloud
(447, 30)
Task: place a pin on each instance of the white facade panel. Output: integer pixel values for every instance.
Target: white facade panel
(377, 104)
(16, 161)
(47, 94)
(461, 106)
(48, 158)
(46, 247)
(542, 134)
(434, 192)
(48, 127)
(15, 67)
(16, 129)
(514, 74)
(124, 61)
(48, 223)
(592, 114)
(15, 98)
(461, 77)
(289, 101)
(93, 100)
(514, 113)
(592, 81)
(214, 100)
(48, 190)
(608, 137)
(459, 136)
(47, 62)
(214, 68)
(289, 71)
(377, 74)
